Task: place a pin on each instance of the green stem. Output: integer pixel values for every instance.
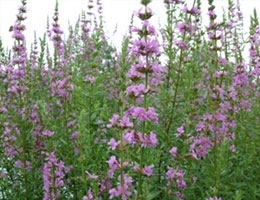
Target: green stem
(178, 82)
(121, 143)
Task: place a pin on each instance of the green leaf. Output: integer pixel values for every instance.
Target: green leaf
(154, 195)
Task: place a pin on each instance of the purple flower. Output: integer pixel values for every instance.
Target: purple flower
(194, 179)
(152, 140)
(125, 122)
(122, 190)
(136, 90)
(195, 10)
(232, 148)
(152, 115)
(48, 133)
(144, 47)
(74, 135)
(178, 175)
(200, 126)
(182, 44)
(135, 75)
(141, 114)
(183, 27)
(170, 173)
(89, 196)
(113, 120)
(19, 164)
(180, 131)
(148, 170)
(144, 15)
(212, 14)
(130, 137)
(91, 176)
(113, 144)
(200, 146)
(113, 163)
(173, 151)
(90, 79)
(71, 123)
(3, 110)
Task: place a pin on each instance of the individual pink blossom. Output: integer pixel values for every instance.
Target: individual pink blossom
(180, 131)
(136, 90)
(148, 170)
(125, 122)
(129, 137)
(194, 179)
(232, 148)
(90, 79)
(48, 133)
(113, 144)
(3, 110)
(170, 173)
(113, 120)
(89, 196)
(200, 126)
(74, 135)
(152, 140)
(144, 47)
(19, 164)
(144, 15)
(141, 114)
(91, 176)
(113, 163)
(173, 151)
(212, 14)
(182, 44)
(183, 27)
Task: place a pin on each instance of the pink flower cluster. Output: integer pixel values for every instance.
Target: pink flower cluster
(141, 114)
(53, 176)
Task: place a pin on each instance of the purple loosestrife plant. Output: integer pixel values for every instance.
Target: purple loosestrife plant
(132, 124)
(144, 48)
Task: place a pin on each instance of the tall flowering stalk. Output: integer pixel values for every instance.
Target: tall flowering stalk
(14, 99)
(53, 176)
(186, 30)
(254, 52)
(122, 123)
(182, 35)
(146, 69)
